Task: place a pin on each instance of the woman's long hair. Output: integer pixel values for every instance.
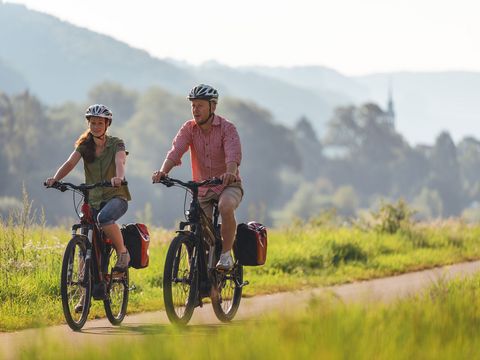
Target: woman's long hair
(89, 145)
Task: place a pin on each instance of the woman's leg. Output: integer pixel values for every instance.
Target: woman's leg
(110, 213)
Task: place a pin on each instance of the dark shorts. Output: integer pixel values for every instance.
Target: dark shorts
(111, 211)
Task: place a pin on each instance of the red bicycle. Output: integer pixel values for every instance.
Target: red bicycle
(87, 266)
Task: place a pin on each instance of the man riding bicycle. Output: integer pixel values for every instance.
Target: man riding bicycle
(215, 152)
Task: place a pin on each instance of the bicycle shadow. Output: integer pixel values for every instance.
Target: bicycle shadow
(160, 329)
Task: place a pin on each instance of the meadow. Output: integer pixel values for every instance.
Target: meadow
(306, 254)
(442, 323)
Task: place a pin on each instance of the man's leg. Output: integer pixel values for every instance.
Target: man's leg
(227, 204)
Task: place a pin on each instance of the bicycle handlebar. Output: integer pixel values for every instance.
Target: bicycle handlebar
(64, 186)
(192, 185)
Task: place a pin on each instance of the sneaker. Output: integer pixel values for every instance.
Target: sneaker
(122, 262)
(225, 262)
(79, 307)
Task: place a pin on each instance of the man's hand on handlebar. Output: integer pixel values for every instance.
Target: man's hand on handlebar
(158, 175)
(228, 178)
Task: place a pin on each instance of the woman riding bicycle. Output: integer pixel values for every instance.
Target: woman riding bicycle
(104, 158)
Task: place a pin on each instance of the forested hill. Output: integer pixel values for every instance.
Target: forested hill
(59, 62)
(11, 81)
(62, 61)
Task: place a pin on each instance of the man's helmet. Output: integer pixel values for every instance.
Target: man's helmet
(203, 92)
(100, 111)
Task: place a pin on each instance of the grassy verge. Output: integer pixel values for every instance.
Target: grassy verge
(443, 323)
(298, 257)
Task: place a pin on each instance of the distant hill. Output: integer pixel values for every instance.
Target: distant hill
(11, 81)
(58, 61)
(324, 82)
(286, 100)
(62, 62)
(425, 103)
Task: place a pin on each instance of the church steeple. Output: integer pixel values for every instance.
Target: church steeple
(390, 115)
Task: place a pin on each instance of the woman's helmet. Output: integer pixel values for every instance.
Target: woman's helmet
(100, 111)
(203, 92)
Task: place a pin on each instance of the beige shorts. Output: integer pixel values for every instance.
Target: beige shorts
(233, 192)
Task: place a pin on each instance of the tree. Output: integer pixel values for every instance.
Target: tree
(309, 149)
(445, 174)
(468, 154)
(118, 99)
(371, 147)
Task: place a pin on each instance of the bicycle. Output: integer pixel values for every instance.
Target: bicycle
(87, 266)
(189, 273)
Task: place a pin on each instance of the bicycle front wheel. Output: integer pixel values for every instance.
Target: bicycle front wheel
(180, 281)
(76, 283)
(116, 301)
(227, 292)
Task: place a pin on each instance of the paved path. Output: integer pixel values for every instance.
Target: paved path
(384, 289)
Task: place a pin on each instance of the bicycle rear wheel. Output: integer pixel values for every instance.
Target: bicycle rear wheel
(116, 301)
(227, 293)
(76, 283)
(180, 281)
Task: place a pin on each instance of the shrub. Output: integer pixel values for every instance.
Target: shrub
(392, 217)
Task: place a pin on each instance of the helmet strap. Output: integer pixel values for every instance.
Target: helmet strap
(101, 137)
(210, 113)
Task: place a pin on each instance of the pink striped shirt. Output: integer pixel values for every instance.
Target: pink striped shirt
(209, 151)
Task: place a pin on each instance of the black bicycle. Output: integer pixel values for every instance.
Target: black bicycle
(190, 274)
(87, 267)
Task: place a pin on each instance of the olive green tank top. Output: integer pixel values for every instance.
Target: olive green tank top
(103, 168)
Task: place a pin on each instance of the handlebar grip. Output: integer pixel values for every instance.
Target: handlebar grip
(108, 183)
(216, 181)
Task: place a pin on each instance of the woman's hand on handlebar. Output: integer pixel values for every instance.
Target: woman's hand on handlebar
(116, 181)
(50, 181)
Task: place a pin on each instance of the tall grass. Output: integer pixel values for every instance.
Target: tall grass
(442, 323)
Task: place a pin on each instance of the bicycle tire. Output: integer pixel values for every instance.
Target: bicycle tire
(180, 292)
(116, 300)
(73, 285)
(226, 293)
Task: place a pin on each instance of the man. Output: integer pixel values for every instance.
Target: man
(215, 152)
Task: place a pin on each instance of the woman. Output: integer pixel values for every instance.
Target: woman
(104, 158)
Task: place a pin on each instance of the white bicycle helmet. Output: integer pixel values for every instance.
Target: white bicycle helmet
(100, 111)
(203, 92)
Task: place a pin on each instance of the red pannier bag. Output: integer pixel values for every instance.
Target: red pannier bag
(137, 240)
(250, 246)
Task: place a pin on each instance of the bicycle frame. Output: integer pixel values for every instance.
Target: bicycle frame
(95, 242)
(206, 236)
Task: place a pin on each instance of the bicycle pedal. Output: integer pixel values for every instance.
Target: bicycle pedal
(245, 283)
(199, 303)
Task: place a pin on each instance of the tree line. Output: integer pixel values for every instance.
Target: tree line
(287, 172)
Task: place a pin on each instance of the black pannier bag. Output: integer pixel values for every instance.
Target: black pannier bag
(137, 240)
(250, 246)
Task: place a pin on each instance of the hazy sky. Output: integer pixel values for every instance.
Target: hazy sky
(351, 36)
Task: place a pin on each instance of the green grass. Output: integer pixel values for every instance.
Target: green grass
(443, 323)
(298, 257)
